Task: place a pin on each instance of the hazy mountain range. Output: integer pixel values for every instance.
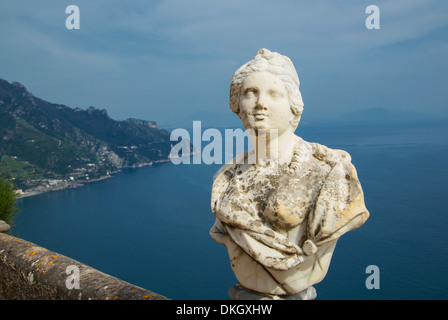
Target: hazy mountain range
(369, 116)
(313, 121)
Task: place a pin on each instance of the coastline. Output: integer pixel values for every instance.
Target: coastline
(76, 184)
(67, 184)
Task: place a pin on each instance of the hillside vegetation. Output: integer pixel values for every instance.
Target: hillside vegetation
(46, 144)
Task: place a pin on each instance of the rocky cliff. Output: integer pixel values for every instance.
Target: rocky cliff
(43, 141)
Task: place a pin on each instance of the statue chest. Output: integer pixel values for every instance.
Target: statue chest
(274, 194)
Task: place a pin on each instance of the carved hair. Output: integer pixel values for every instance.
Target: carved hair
(277, 64)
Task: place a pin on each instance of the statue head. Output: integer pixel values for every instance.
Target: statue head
(277, 65)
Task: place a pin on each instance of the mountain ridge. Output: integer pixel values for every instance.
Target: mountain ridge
(71, 145)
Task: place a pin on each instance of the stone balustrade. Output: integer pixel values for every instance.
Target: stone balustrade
(31, 272)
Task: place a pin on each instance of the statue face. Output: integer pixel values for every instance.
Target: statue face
(264, 103)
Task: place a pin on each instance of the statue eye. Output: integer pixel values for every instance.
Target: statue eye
(275, 94)
(250, 91)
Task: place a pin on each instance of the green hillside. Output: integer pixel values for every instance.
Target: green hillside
(40, 140)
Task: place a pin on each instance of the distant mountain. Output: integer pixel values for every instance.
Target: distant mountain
(310, 117)
(368, 116)
(379, 114)
(54, 141)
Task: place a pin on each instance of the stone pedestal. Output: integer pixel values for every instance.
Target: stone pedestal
(238, 292)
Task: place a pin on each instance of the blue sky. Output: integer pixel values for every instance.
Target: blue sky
(163, 60)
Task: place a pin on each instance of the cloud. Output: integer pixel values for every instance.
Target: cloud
(181, 54)
(315, 30)
(311, 29)
(39, 32)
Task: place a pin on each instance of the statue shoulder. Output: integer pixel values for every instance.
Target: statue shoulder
(329, 155)
(325, 159)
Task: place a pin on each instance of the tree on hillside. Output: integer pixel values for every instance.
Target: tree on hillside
(7, 201)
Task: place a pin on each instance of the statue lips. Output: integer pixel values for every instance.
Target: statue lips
(260, 116)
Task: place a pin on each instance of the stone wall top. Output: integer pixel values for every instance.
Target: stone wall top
(31, 272)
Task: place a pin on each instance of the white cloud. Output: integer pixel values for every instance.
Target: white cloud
(309, 29)
(211, 27)
(199, 43)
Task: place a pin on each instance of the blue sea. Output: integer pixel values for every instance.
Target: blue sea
(150, 226)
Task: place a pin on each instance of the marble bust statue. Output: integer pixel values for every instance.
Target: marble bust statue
(281, 215)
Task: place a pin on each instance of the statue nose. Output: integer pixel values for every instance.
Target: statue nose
(261, 104)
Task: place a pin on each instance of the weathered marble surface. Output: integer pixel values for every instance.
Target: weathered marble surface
(280, 217)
